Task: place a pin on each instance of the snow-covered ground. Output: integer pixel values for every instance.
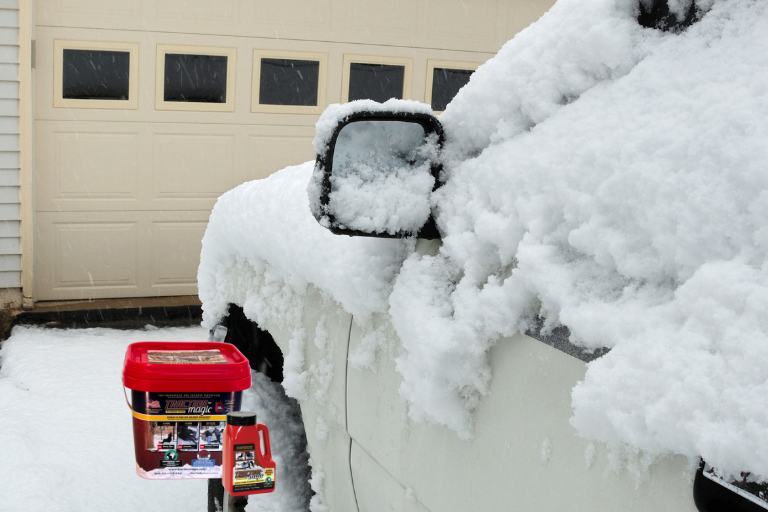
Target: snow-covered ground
(607, 177)
(67, 441)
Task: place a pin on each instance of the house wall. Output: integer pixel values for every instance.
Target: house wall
(10, 208)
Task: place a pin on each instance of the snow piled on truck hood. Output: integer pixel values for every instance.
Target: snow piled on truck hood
(262, 248)
(608, 177)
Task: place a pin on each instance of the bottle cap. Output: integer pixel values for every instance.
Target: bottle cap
(241, 418)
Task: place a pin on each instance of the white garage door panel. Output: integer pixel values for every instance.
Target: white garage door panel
(192, 165)
(227, 12)
(136, 166)
(263, 160)
(94, 254)
(433, 23)
(162, 177)
(87, 166)
(94, 165)
(91, 8)
(176, 253)
(118, 254)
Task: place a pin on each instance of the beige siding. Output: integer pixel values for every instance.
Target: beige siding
(10, 247)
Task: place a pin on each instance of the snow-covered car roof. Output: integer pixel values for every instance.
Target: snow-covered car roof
(608, 177)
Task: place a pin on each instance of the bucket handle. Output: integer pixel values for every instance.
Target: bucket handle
(126, 396)
(267, 454)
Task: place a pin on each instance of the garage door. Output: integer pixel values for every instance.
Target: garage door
(146, 112)
(124, 186)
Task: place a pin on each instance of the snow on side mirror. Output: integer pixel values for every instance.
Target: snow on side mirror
(376, 175)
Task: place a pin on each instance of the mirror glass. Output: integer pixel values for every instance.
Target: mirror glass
(381, 177)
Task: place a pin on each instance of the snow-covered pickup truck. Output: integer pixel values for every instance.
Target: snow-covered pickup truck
(553, 298)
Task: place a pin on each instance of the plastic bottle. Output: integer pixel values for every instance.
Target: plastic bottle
(245, 469)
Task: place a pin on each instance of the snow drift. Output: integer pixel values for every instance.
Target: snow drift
(608, 177)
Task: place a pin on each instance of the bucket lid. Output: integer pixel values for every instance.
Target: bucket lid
(191, 367)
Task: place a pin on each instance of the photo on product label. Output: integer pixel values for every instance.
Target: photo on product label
(188, 433)
(186, 357)
(163, 435)
(211, 435)
(246, 464)
(239, 455)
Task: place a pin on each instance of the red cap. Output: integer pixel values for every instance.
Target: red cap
(142, 375)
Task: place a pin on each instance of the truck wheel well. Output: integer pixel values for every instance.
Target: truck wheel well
(255, 343)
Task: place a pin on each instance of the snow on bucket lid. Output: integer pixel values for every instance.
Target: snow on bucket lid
(190, 367)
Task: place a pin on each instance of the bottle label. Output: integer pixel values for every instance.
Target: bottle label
(247, 475)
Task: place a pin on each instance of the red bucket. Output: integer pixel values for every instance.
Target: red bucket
(180, 396)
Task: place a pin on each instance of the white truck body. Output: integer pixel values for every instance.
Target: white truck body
(524, 454)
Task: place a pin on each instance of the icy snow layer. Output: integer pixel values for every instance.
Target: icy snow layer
(67, 435)
(608, 177)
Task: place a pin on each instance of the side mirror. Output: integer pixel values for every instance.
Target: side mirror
(375, 174)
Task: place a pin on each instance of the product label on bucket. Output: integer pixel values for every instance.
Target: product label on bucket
(247, 475)
(180, 435)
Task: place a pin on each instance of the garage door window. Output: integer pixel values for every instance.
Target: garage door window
(95, 75)
(195, 78)
(198, 78)
(444, 79)
(288, 82)
(376, 78)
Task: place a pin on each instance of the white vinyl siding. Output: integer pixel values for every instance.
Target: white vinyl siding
(10, 246)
